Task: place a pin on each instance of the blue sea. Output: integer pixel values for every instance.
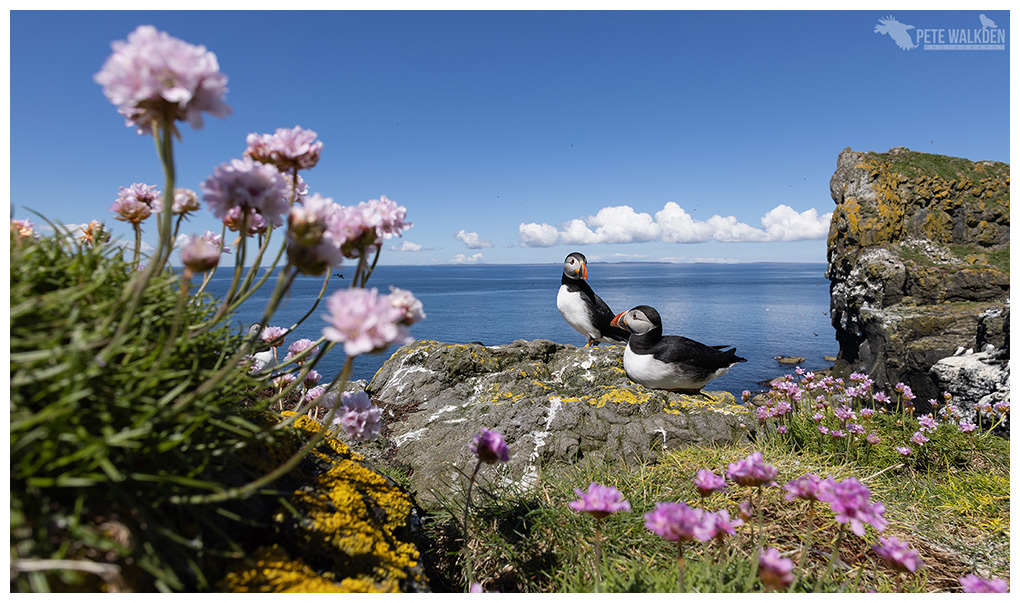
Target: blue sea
(764, 310)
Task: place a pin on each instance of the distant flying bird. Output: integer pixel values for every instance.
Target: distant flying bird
(672, 363)
(986, 22)
(897, 31)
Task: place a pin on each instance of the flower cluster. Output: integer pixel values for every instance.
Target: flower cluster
(489, 447)
(364, 226)
(775, 572)
(185, 201)
(850, 502)
(242, 188)
(153, 76)
(202, 253)
(136, 203)
(706, 482)
(365, 321)
(23, 229)
(752, 471)
(898, 555)
(599, 501)
(358, 417)
(287, 149)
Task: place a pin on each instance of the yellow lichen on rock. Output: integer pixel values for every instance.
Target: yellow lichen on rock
(342, 514)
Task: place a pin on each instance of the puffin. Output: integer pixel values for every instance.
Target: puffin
(671, 362)
(582, 309)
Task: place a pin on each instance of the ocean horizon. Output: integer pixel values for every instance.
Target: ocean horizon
(764, 309)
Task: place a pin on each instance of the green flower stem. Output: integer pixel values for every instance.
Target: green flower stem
(182, 299)
(598, 555)
(132, 296)
(682, 565)
(283, 469)
(209, 274)
(467, 525)
(832, 557)
(318, 299)
(231, 364)
(138, 246)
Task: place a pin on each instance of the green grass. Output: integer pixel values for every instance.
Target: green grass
(951, 504)
(913, 164)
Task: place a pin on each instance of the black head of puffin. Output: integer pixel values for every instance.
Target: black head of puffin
(638, 320)
(576, 266)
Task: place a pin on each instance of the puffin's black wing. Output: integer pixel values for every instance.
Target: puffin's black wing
(677, 349)
(603, 316)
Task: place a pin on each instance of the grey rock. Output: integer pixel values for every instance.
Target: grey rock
(556, 405)
(910, 283)
(975, 381)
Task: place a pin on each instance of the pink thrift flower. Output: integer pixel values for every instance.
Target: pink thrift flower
(136, 203)
(867, 413)
(245, 184)
(599, 501)
(722, 524)
(708, 483)
(312, 378)
(363, 227)
(358, 417)
(283, 380)
(154, 74)
(903, 450)
(1001, 407)
(675, 521)
(880, 397)
(364, 321)
(301, 345)
(313, 243)
(286, 149)
(313, 394)
(256, 223)
(200, 254)
(411, 310)
(273, 335)
(918, 438)
(873, 439)
(972, 583)
(781, 429)
(808, 487)
(744, 511)
(752, 471)
(775, 571)
(849, 500)
(489, 447)
(185, 201)
(966, 427)
(23, 228)
(898, 555)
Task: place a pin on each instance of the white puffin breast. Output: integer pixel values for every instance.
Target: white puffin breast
(574, 311)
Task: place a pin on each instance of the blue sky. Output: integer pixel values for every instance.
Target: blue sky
(519, 136)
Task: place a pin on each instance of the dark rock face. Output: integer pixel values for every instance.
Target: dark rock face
(554, 404)
(918, 253)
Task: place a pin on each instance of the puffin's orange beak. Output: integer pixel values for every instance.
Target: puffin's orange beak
(584, 271)
(617, 320)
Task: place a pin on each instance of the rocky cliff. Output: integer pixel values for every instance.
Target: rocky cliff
(555, 405)
(918, 259)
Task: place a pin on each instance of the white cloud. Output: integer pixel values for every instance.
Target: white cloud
(460, 258)
(784, 224)
(672, 224)
(537, 235)
(472, 240)
(406, 246)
